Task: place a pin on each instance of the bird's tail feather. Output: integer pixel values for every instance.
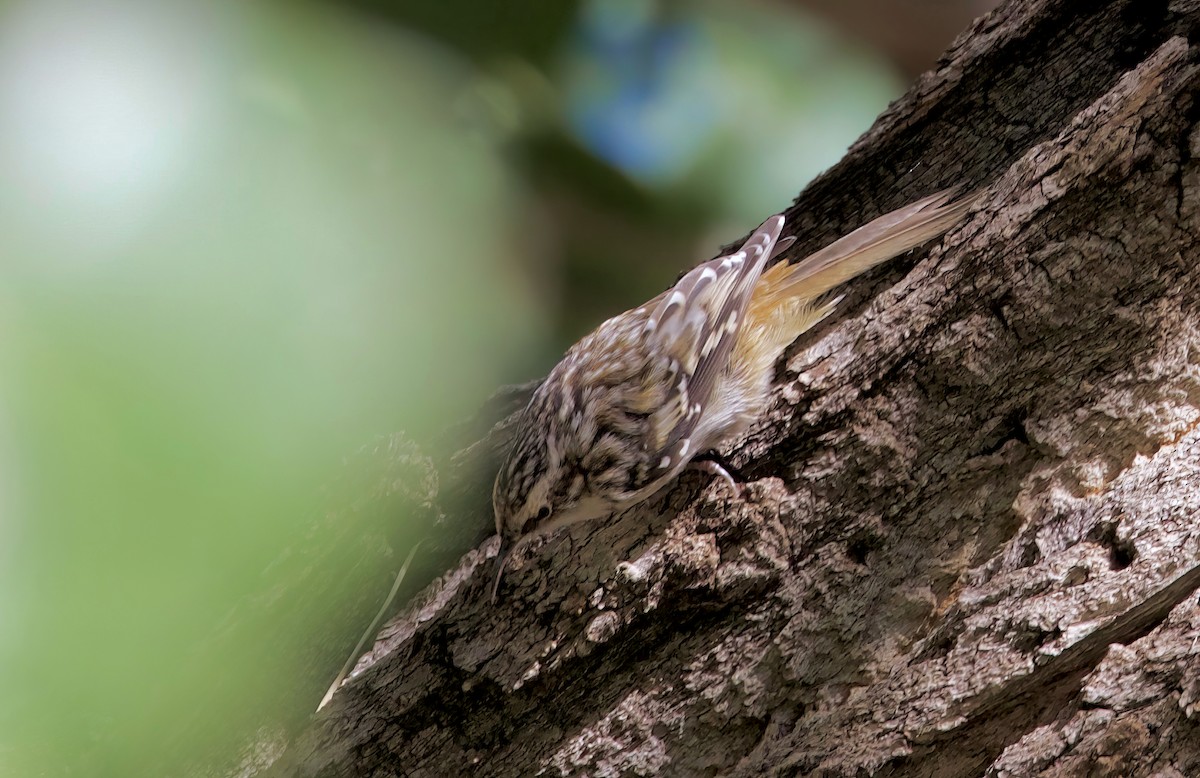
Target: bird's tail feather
(878, 241)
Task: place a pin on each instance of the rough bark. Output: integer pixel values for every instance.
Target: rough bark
(970, 540)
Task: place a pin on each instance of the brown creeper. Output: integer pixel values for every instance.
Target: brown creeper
(631, 404)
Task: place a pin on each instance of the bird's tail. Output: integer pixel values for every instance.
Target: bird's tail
(787, 302)
(878, 241)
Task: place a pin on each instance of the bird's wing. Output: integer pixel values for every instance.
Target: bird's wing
(689, 334)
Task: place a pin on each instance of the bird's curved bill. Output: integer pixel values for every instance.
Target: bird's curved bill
(502, 555)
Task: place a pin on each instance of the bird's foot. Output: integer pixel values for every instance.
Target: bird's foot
(715, 468)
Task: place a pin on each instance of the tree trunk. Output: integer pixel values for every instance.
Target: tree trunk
(970, 538)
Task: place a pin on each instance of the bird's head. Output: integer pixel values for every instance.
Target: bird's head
(540, 488)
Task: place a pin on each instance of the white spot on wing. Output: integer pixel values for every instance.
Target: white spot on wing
(684, 445)
(664, 463)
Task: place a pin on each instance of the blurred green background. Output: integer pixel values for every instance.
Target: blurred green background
(240, 241)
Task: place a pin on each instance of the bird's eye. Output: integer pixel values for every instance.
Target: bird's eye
(543, 513)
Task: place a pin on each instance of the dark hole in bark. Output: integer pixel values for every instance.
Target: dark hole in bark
(1121, 551)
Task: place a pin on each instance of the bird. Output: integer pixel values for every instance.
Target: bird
(631, 404)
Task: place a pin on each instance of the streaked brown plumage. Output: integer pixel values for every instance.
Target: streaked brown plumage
(632, 403)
